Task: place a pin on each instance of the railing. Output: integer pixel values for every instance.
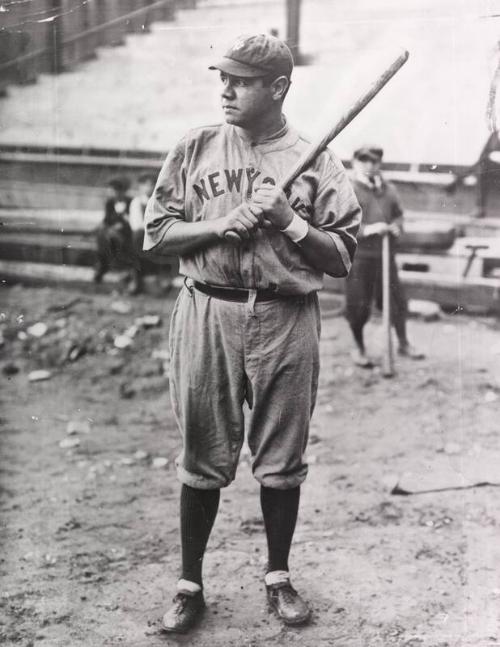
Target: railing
(62, 33)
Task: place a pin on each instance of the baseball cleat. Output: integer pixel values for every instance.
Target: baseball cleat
(185, 612)
(287, 604)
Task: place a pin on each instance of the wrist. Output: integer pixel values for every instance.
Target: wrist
(217, 227)
(286, 219)
(297, 229)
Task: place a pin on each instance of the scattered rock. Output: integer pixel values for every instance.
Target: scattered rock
(116, 367)
(425, 310)
(141, 455)
(49, 560)
(22, 336)
(428, 382)
(148, 321)
(383, 514)
(131, 332)
(69, 443)
(127, 460)
(78, 427)
(161, 354)
(60, 307)
(121, 307)
(122, 341)
(71, 524)
(76, 351)
(39, 376)
(10, 369)
(435, 522)
(160, 462)
(452, 448)
(37, 330)
(252, 525)
(149, 368)
(126, 391)
(490, 396)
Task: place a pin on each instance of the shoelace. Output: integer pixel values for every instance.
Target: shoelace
(181, 600)
(288, 592)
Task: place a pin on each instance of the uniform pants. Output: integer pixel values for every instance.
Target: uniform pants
(364, 285)
(224, 353)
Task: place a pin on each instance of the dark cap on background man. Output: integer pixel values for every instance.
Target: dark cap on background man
(373, 153)
(120, 183)
(255, 56)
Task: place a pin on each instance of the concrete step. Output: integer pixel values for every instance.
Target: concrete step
(52, 248)
(49, 273)
(67, 221)
(40, 274)
(57, 237)
(474, 295)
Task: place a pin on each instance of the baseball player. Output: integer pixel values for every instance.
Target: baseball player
(382, 213)
(246, 325)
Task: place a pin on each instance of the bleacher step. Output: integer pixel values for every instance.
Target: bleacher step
(49, 273)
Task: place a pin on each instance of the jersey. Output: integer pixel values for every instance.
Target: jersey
(214, 169)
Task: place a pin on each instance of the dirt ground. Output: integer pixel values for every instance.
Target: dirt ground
(89, 532)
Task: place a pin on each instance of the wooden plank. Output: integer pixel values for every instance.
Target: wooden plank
(67, 249)
(470, 294)
(79, 277)
(42, 274)
(50, 220)
(48, 248)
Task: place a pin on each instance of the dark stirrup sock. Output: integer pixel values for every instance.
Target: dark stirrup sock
(279, 508)
(198, 512)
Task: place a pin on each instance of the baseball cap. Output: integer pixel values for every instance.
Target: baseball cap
(373, 153)
(254, 56)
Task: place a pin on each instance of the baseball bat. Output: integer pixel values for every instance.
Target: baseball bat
(387, 358)
(306, 159)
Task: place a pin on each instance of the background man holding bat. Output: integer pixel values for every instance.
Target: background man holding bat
(246, 325)
(382, 215)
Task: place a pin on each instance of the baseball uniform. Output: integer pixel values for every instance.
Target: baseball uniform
(264, 352)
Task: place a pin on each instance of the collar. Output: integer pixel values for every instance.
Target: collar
(376, 183)
(282, 138)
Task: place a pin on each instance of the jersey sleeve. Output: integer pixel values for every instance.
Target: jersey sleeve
(336, 209)
(166, 205)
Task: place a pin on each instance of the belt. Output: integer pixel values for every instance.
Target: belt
(239, 294)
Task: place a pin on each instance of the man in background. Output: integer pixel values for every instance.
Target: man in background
(382, 215)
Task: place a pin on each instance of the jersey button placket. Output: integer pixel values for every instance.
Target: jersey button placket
(249, 269)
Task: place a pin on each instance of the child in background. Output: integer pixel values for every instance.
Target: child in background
(114, 236)
(146, 184)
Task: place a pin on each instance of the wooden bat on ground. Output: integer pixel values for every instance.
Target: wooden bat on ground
(316, 148)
